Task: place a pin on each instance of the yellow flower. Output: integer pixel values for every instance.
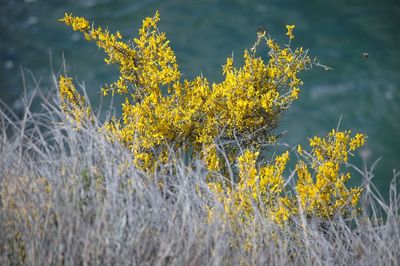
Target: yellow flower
(290, 31)
(72, 103)
(327, 195)
(77, 23)
(357, 141)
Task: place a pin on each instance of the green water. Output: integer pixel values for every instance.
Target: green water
(366, 91)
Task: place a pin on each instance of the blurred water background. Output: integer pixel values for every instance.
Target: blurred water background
(366, 91)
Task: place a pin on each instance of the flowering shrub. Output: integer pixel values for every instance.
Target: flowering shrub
(220, 123)
(327, 195)
(324, 197)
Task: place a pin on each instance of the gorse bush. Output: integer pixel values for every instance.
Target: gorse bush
(160, 109)
(223, 124)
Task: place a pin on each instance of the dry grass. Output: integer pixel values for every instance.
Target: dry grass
(71, 198)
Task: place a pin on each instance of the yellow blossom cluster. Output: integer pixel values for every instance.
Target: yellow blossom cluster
(321, 193)
(72, 103)
(326, 195)
(290, 31)
(213, 121)
(260, 187)
(77, 24)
